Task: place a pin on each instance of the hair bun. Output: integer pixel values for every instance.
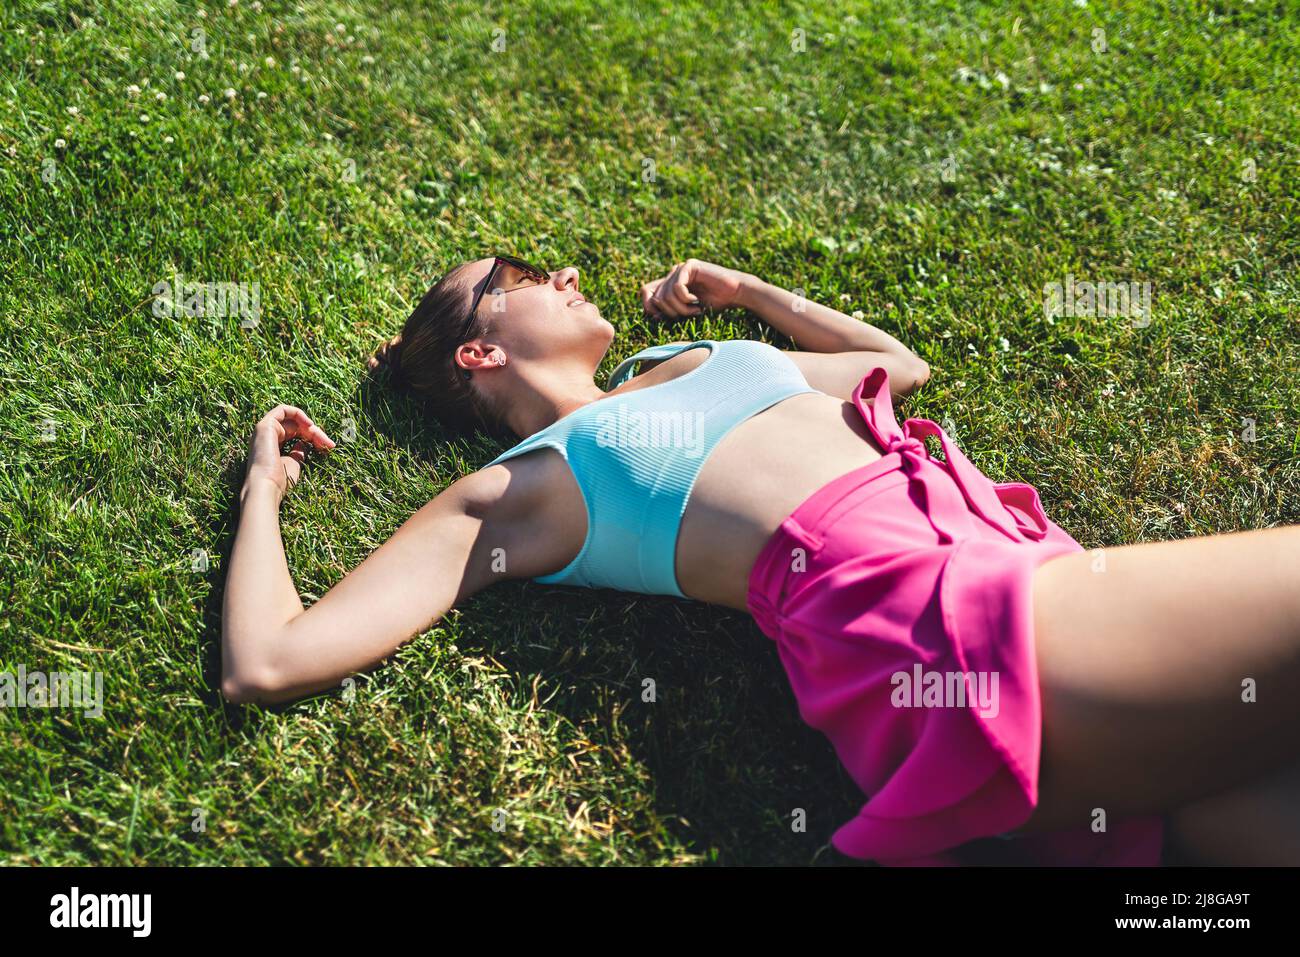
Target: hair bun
(388, 355)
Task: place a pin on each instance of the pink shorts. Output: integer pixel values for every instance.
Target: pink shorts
(900, 600)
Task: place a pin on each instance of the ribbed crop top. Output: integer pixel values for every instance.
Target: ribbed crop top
(636, 456)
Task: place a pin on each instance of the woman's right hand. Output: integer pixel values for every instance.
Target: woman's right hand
(691, 286)
(282, 424)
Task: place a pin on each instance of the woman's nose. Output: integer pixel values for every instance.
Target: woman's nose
(568, 276)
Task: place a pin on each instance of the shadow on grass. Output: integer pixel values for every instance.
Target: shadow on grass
(730, 759)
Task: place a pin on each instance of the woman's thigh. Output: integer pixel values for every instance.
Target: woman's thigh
(1169, 671)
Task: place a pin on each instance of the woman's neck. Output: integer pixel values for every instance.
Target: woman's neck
(544, 396)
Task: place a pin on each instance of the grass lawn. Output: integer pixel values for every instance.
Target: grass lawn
(932, 164)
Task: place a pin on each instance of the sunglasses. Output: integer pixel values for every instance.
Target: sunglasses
(507, 273)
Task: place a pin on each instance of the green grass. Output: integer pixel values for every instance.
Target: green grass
(818, 169)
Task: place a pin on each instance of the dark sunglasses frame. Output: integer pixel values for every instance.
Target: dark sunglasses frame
(530, 274)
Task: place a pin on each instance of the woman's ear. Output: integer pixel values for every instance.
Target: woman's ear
(471, 356)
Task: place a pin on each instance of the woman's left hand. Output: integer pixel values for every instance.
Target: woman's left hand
(282, 424)
(690, 287)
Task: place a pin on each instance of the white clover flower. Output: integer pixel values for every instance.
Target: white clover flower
(230, 93)
(180, 74)
(859, 314)
(160, 96)
(261, 94)
(269, 61)
(340, 28)
(243, 68)
(257, 6)
(367, 59)
(168, 140)
(203, 98)
(232, 3)
(203, 14)
(40, 63)
(73, 111)
(295, 69)
(845, 297)
(60, 143)
(144, 117)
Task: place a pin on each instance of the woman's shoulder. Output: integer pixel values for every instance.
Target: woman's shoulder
(516, 477)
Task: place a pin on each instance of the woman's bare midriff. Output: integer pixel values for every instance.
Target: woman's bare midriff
(760, 472)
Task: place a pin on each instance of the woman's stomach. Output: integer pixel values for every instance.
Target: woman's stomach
(760, 473)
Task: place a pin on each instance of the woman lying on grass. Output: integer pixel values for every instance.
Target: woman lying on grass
(978, 673)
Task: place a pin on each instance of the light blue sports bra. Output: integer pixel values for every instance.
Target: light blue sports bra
(636, 456)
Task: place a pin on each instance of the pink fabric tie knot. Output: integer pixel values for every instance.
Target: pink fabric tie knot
(906, 445)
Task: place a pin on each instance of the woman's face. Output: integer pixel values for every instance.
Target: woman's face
(536, 321)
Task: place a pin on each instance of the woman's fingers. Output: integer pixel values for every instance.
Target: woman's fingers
(292, 468)
(680, 294)
(664, 294)
(672, 296)
(297, 452)
(649, 303)
(290, 422)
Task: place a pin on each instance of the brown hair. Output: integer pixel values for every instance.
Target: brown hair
(419, 361)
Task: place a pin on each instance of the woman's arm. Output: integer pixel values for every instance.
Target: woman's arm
(815, 327)
(852, 347)
(259, 592)
(838, 373)
(271, 654)
(273, 650)
(260, 596)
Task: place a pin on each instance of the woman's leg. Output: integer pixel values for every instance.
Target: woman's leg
(1169, 672)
